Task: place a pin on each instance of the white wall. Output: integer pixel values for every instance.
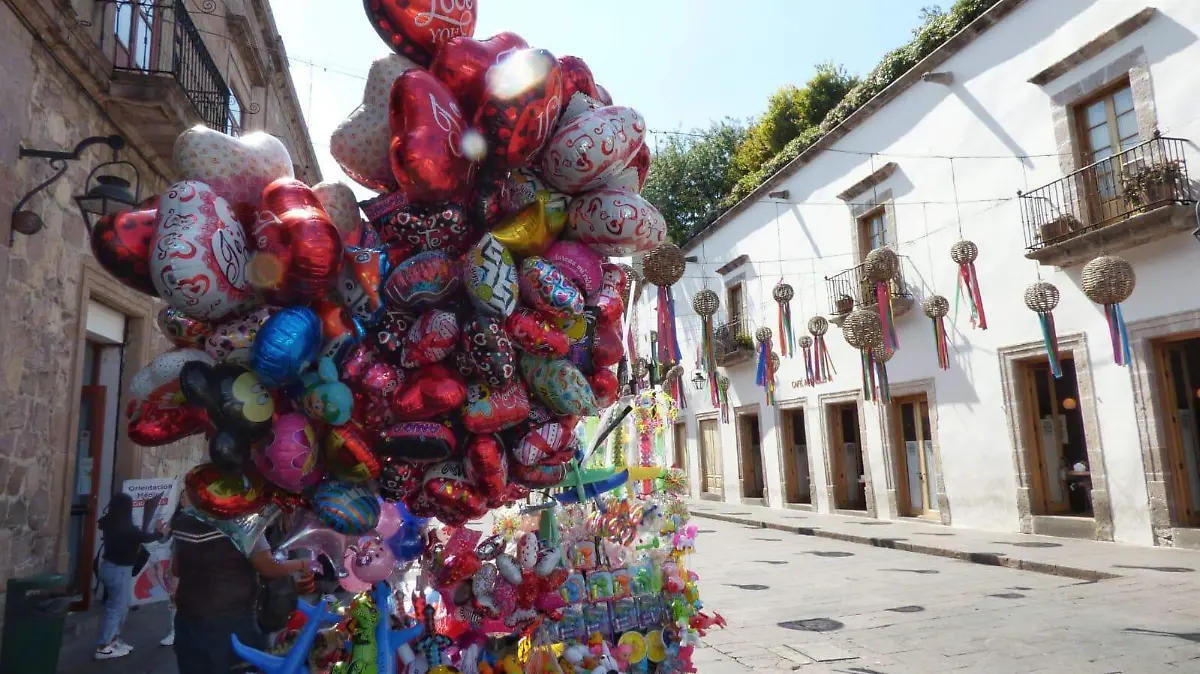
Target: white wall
(990, 110)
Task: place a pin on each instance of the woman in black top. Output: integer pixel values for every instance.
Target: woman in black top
(122, 541)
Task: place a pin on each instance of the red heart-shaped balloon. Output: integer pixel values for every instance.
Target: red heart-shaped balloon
(417, 29)
(487, 466)
(432, 390)
(152, 424)
(299, 248)
(604, 386)
(463, 63)
(607, 348)
(532, 333)
(428, 158)
(521, 104)
(577, 78)
(121, 244)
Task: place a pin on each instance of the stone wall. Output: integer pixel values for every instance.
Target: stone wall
(40, 311)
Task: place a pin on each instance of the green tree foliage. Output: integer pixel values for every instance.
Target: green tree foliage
(936, 27)
(690, 175)
(790, 112)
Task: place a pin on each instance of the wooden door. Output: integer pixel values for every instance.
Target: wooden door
(89, 454)
(916, 467)
(1045, 441)
(1108, 125)
(1176, 388)
(710, 458)
(795, 457)
(680, 449)
(844, 454)
(750, 444)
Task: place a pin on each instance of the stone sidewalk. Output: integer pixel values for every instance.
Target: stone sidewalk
(1067, 557)
(143, 629)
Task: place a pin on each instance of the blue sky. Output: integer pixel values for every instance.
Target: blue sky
(681, 63)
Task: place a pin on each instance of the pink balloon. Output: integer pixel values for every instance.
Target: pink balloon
(389, 519)
(352, 583)
(372, 561)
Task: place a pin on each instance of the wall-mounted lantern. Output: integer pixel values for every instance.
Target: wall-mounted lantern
(104, 192)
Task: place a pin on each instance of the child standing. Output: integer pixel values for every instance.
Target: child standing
(122, 540)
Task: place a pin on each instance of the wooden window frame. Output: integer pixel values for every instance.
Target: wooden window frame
(738, 315)
(863, 222)
(1079, 110)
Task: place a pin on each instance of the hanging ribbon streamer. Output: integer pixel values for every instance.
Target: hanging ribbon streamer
(868, 375)
(822, 362)
(943, 347)
(1050, 339)
(964, 254)
(936, 307)
(1109, 280)
(887, 322)
(724, 403)
(668, 338)
(806, 343)
(884, 393)
(783, 294)
(766, 371)
(1117, 332)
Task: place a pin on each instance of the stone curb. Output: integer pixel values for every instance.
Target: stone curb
(987, 558)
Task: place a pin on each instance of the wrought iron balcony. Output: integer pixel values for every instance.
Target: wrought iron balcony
(164, 76)
(733, 341)
(850, 288)
(1128, 199)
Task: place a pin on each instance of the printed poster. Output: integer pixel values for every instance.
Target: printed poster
(153, 582)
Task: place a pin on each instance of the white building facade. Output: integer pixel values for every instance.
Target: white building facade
(1049, 132)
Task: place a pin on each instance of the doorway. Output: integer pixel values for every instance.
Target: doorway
(1179, 377)
(796, 477)
(848, 470)
(750, 446)
(86, 485)
(711, 481)
(1060, 474)
(680, 449)
(916, 463)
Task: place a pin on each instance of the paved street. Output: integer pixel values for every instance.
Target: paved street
(812, 604)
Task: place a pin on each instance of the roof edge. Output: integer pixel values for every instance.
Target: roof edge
(889, 93)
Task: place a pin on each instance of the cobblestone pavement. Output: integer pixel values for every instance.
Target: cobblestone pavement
(818, 605)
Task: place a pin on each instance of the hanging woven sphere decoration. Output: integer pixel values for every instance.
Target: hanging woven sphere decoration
(805, 341)
(762, 335)
(1041, 297)
(936, 306)
(631, 276)
(881, 353)
(674, 373)
(723, 383)
(1108, 280)
(817, 325)
(640, 368)
(664, 265)
(964, 252)
(862, 329)
(783, 293)
(706, 302)
(881, 265)
(775, 361)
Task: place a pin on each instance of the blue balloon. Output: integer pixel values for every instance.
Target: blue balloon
(408, 543)
(286, 345)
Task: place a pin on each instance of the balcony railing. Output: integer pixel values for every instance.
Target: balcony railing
(850, 289)
(1145, 177)
(733, 341)
(158, 37)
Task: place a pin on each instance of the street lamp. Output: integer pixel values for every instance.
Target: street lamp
(698, 380)
(105, 193)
